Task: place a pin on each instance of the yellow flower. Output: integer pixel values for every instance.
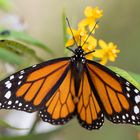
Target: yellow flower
(92, 14)
(80, 33)
(90, 44)
(107, 52)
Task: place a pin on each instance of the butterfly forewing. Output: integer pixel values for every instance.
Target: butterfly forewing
(119, 99)
(28, 89)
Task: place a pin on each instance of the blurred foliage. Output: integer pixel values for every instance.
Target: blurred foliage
(9, 56)
(24, 37)
(19, 51)
(42, 136)
(5, 5)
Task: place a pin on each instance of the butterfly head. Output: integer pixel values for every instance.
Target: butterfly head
(79, 51)
(79, 55)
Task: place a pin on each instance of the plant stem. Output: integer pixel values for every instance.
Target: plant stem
(34, 124)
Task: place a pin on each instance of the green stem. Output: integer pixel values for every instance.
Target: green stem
(34, 124)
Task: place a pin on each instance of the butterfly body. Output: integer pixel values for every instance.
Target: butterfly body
(78, 63)
(72, 86)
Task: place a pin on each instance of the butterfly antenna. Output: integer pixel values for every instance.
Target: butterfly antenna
(71, 31)
(90, 33)
(80, 40)
(71, 50)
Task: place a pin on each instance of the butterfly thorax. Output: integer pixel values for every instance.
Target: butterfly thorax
(78, 61)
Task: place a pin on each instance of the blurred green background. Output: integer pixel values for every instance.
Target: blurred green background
(120, 24)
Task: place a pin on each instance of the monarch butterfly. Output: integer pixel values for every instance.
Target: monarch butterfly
(72, 86)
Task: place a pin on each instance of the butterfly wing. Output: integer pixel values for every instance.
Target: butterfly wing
(28, 89)
(120, 100)
(89, 113)
(60, 108)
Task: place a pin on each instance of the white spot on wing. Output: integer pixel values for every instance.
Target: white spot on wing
(22, 72)
(7, 82)
(133, 117)
(127, 83)
(136, 90)
(123, 117)
(136, 110)
(20, 104)
(127, 88)
(20, 77)
(127, 115)
(16, 101)
(9, 85)
(8, 94)
(34, 66)
(11, 77)
(128, 95)
(10, 102)
(137, 98)
(19, 82)
(117, 75)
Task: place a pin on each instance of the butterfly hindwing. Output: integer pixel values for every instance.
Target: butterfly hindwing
(60, 108)
(89, 113)
(27, 89)
(119, 99)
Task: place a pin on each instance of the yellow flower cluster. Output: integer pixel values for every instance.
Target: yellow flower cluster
(107, 51)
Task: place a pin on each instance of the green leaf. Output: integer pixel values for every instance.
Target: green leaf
(6, 125)
(135, 76)
(10, 56)
(18, 48)
(64, 28)
(42, 136)
(5, 5)
(25, 38)
(27, 137)
(127, 75)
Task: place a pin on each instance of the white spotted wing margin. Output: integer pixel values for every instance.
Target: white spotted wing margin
(8, 88)
(10, 85)
(131, 116)
(131, 94)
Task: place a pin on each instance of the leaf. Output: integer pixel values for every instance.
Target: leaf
(25, 38)
(64, 28)
(10, 56)
(6, 125)
(130, 77)
(18, 48)
(6, 5)
(42, 136)
(135, 76)
(27, 137)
